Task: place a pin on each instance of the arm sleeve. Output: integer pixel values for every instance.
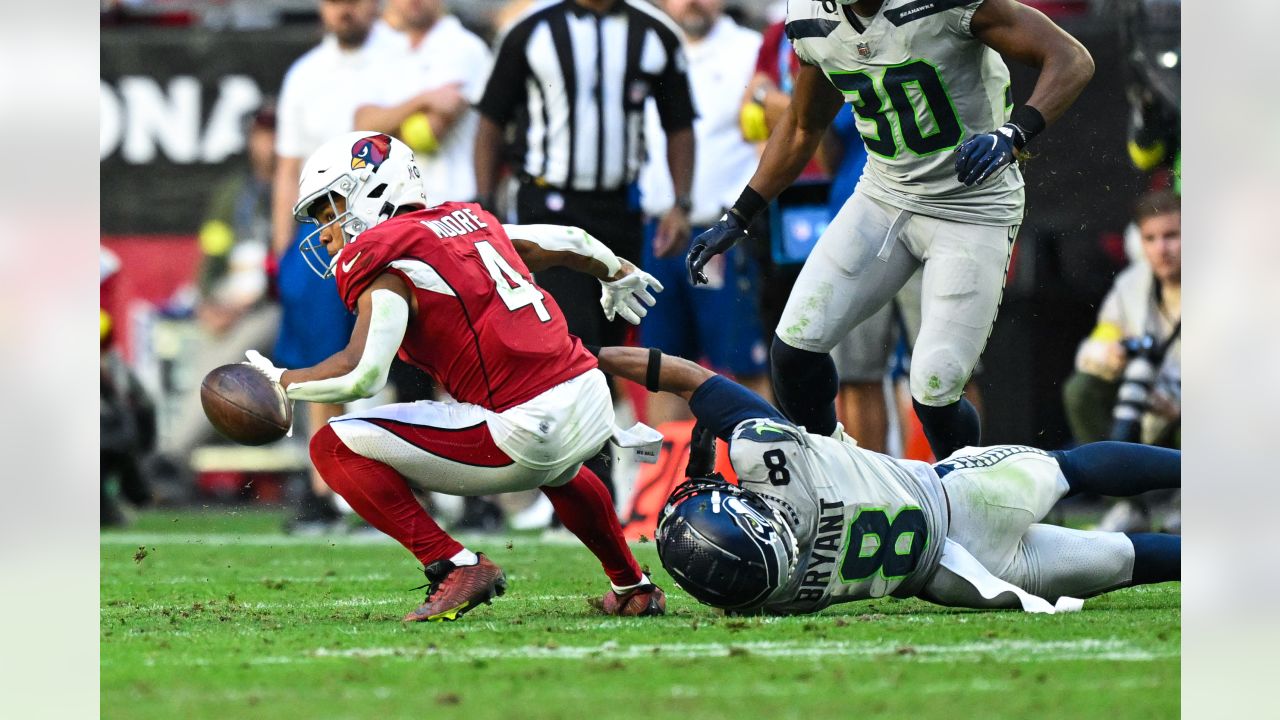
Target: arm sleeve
(390, 319)
(504, 92)
(720, 404)
(671, 92)
(561, 238)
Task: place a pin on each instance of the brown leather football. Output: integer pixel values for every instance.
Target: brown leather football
(244, 405)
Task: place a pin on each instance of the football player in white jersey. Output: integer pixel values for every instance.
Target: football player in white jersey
(817, 520)
(920, 76)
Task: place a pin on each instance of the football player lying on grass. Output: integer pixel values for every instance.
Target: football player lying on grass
(818, 520)
(449, 289)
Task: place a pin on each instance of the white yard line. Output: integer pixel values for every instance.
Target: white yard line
(993, 651)
(408, 602)
(135, 539)
(865, 686)
(242, 578)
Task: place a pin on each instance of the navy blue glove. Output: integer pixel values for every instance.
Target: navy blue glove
(985, 155)
(722, 236)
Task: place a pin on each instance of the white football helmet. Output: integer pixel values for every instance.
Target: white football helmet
(373, 172)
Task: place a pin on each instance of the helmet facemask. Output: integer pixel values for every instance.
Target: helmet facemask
(313, 249)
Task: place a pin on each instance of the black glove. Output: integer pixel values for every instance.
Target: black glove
(985, 155)
(722, 236)
(702, 452)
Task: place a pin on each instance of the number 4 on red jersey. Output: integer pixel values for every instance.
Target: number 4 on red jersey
(482, 328)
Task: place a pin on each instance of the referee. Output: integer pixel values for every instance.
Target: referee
(572, 79)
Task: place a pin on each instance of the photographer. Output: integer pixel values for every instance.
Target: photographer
(1128, 378)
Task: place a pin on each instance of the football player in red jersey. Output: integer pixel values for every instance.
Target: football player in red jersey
(448, 288)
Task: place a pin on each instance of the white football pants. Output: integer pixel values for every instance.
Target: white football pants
(997, 497)
(868, 253)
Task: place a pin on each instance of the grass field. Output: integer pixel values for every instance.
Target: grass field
(217, 615)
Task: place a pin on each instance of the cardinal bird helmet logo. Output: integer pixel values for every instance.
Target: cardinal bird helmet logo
(370, 152)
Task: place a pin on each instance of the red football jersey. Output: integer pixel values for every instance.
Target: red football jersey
(482, 329)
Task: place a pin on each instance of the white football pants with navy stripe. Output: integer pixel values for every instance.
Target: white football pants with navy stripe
(868, 253)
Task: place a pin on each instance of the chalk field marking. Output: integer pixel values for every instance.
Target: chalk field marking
(407, 602)
(999, 651)
(279, 540)
(244, 578)
(865, 687)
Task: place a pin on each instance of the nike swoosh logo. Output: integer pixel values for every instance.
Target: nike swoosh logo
(346, 266)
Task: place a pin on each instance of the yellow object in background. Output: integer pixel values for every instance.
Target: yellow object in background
(104, 324)
(751, 119)
(416, 132)
(1107, 332)
(216, 238)
(1146, 158)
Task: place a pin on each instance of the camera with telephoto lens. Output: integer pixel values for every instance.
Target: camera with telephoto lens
(1144, 355)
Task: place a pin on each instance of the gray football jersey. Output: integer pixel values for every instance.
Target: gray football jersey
(919, 84)
(866, 525)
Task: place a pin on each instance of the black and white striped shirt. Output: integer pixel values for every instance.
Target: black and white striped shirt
(575, 84)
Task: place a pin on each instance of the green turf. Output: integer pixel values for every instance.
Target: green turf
(215, 615)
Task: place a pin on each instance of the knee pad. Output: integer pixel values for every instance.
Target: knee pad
(802, 376)
(805, 384)
(787, 358)
(938, 376)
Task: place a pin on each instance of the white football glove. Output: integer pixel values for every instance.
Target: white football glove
(624, 295)
(263, 365)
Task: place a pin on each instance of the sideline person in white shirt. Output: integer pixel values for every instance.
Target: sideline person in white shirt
(313, 106)
(425, 100)
(724, 313)
(316, 103)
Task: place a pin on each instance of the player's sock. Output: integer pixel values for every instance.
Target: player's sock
(620, 589)
(805, 384)
(584, 507)
(1120, 469)
(949, 427)
(1156, 557)
(464, 557)
(382, 497)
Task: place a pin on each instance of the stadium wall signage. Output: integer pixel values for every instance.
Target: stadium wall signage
(173, 110)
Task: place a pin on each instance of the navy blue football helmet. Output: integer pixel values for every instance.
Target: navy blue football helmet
(724, 545)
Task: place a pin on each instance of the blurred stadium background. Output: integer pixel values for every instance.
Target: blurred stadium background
(182, 81)
(205, 609)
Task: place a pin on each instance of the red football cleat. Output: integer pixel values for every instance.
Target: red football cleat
(642, 601)
(453, 591)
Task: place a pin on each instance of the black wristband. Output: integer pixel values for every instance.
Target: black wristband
(749, 205)
(1029, 122)
(593, 349)
(654, 370)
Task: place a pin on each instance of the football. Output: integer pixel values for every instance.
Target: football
(244, 405)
